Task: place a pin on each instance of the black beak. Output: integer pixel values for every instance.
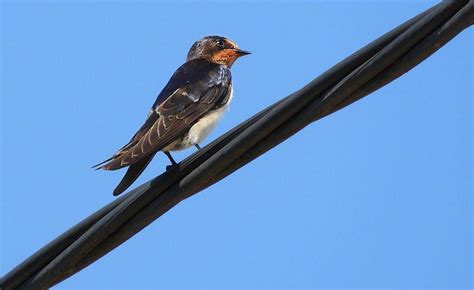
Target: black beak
(241, 52)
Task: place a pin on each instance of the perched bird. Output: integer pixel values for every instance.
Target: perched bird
(186, 110)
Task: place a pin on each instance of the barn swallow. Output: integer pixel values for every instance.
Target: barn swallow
(185, 111)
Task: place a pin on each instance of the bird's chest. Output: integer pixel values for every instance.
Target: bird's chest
(199, 131)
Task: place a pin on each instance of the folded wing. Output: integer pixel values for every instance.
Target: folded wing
(196, 88)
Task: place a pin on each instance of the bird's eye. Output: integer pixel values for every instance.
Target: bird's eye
(220, 42)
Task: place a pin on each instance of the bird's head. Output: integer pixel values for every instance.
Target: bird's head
(216, 49)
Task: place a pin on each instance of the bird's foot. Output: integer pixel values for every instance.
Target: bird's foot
(172, 167)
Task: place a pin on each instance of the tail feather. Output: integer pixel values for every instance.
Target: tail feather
(99, 165)
(132, 174)
(111, 164)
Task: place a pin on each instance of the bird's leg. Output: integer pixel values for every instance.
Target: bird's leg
(197, 146)
(173, 163)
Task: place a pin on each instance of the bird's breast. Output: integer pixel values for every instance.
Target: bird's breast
(199, 131)
(207, 123)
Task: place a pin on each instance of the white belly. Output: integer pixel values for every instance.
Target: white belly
(204, 127)
(201, 129)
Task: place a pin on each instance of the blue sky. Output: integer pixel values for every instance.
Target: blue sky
(377, 195)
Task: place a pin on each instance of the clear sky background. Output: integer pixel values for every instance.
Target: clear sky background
(376, 195)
